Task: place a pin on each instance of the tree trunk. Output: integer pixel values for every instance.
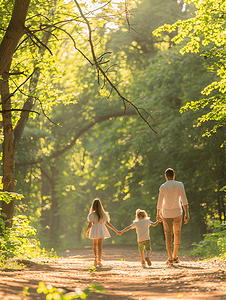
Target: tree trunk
(221, 171)
(8, 150)
(45, 213)
(14, 32)
(54, 209)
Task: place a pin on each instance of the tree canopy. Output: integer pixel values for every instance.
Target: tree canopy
(204, 33)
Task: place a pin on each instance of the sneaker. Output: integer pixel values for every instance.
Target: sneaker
(148, 261)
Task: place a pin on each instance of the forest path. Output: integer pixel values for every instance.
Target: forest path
(121, 275)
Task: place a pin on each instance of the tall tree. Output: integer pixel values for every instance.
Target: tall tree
(14, 31)
(12, 133)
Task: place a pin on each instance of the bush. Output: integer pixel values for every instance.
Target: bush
(18, 241)
(214, 243)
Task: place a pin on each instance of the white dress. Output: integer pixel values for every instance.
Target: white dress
(98, 229)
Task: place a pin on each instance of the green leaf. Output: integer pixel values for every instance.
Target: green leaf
(97, 287)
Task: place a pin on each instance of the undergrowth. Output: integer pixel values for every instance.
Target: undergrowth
(214, 242)
(19, 243)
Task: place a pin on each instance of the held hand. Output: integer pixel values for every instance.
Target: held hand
(85, 235)
(186, 219)
(159, 218)
(119, 232)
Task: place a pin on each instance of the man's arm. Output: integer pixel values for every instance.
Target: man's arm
(159, 217)
(186, 216)
(159, 205)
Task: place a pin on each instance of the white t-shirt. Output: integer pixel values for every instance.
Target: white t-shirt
(142, 229)
(171, 195)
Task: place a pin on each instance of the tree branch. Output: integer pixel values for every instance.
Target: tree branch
(99, 69)
(40, 43)
(10, 95)
(17, 109)
(19, 128)
(77, 135)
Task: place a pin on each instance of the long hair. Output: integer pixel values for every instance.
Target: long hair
(97, 208)
(140, 214)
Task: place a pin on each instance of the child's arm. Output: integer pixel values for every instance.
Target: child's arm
(111, 226)
(126, 229)
(154, 223)
(88, 228)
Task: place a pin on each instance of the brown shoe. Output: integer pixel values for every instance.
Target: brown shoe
(148, 261)
(143, 263)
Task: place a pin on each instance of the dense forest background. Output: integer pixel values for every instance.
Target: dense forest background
(80, 143)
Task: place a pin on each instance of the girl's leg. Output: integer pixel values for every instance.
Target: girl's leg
(100, 250)
(95, 244)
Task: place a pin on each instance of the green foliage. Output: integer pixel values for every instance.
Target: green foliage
(59, 294)
(119, 160)
(9, 196)
(208, 21)
(133, 159)
(214, 243)
(134, 39)
(204, 33)
(19, 242)
(25, 292)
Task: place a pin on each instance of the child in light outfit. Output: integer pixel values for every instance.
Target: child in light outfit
(97, 219)
(142, 223)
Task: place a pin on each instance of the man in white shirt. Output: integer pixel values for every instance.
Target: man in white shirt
(169, 210)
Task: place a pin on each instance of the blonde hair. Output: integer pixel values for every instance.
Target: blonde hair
(141, 214)
(98, 209)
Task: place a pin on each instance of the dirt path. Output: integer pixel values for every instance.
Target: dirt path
(121, 275)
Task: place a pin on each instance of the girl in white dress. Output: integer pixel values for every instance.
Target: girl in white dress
(97, 219)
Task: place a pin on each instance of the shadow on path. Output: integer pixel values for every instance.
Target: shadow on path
(123, 279)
